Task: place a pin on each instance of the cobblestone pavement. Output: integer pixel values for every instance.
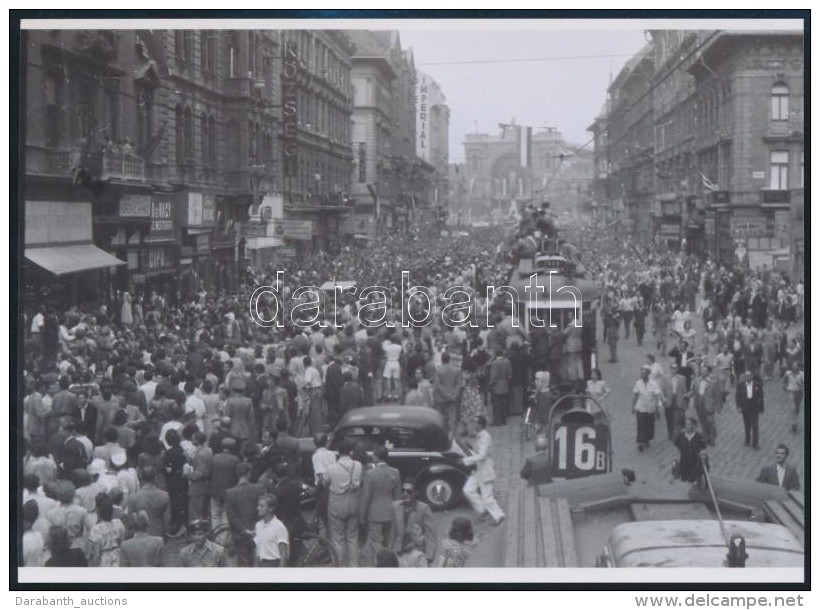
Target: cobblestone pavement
(728, 458)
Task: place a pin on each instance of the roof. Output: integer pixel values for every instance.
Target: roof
(700, 543)
(385, 414)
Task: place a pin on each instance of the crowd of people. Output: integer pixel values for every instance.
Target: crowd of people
(149, 421)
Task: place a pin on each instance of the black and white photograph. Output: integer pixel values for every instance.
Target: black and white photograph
(508, 296)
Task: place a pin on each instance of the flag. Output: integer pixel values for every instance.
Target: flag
(472, 184)
(525, 146)
(708, 184)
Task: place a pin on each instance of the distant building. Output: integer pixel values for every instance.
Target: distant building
(433, 133)
(700, 145)
(496, 174)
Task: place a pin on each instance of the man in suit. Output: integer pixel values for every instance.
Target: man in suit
(749, 400)
(200, 478)
(142, 550)
(240, 409)
(380, 488)
(64, 402)
(240, 510)
(674, 401)
(88, 415)
(154, 501)
(708, 400)
(334, 381)
(447, 391)
(684, 358)
(411, 511)
(223, 477)
(71, 454)
(537, 469)
(500, 374)
(478, 489)
(780, 473)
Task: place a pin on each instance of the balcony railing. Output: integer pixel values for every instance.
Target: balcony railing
(122, 166)
(775, 196)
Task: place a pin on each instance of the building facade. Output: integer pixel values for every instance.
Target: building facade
(497, 177)
(432, 140)
(316, 139)
(724, 163)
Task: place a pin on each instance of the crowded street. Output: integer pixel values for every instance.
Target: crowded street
(355, 352)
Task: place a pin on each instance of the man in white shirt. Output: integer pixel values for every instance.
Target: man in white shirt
(478, 488)
(780, 473)
(344, 480)
(270, 535)
(392, 369)
(647, 398)
(149, 387)
(194, 406)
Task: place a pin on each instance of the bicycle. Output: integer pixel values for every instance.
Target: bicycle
(529, 425)
(310, 548)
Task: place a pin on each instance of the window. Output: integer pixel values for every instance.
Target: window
(179, 128)
(208, 41)
(204, 140)
(212, 141)
(145, 118)
(780, 103)
(362, 162)
(779, 170)
(233, 54)
(54, 99)
(189, 137)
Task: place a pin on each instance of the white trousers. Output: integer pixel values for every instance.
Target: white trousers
(481, 498)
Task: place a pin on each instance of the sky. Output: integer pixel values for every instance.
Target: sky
(562, 93)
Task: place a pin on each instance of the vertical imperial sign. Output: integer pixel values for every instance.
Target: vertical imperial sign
(290, 67)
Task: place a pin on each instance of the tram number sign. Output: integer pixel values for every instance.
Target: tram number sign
(580, 450)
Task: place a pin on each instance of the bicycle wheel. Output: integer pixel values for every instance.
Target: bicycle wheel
(223, 536)
(528, 427)
(315, 552)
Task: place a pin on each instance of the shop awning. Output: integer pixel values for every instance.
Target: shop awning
(260, 243)
(60, 260)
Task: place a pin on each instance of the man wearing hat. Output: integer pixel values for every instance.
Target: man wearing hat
(154, 501)
(201, 552)
(223, 477)
(200, 478)
(240, 409)
(241, 514)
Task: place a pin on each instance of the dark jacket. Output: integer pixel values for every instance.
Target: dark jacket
(380, 488)
(240, 505)
(753, 404)
(537, 469)
(223, 474)
(768, 474)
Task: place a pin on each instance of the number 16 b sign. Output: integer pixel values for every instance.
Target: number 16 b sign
(580, 450)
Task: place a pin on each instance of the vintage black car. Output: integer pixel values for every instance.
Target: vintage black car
(418, 445)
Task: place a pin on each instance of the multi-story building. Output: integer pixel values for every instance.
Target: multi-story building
(630, 144)
(163, 137)
(748, 126)
(388, 178)
(317, 96)
(497, 176)
(433, 134)
(727, 143)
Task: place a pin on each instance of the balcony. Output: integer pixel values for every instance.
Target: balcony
(120, 165)
(775, 196)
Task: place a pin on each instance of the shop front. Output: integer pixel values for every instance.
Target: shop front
(196, 216)
(159, 257)
(62, 263)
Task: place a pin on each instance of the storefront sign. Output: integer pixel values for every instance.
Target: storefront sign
(256, 229)
(782, 224)
(134, 205)
(670, 229)
(709, 226)
(198, 209)
(752, 226)
(203, 243)
(160, 257)
(54, 222)
(359, 224)
(139, 278)
(290, 70)
(293, 229)
(286, 252)
(162, 212)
